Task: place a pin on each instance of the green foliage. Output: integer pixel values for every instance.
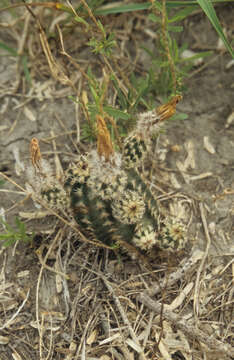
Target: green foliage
(11, 51)
(105, 45)
(209, 10)
(165, 75)
(12, 235)
(167, 60)
(23, 60)
(189, 6)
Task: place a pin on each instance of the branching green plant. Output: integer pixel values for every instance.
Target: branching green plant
(96, 5)
(12, 235)
(22, 59)
(105, 45)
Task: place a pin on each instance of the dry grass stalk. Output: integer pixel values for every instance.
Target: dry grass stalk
(166, 44)
(188, 327)
(201, 267)
(8, 323)
(58, 165)
(180, 273)
(124, 317)
(40, 326)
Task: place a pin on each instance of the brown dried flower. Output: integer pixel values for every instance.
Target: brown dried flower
(35, 154)
(167, 110)
(104, 144)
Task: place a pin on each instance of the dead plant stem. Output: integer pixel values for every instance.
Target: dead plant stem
(202, 264)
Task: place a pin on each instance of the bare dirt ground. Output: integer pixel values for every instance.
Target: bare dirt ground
(65, 299)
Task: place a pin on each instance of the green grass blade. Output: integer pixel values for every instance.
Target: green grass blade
(180, 15)
(174, 28)
(202, 54)
(9, 242)
(9, 49)
(122, 8)
(116, 113)
(26, 69)
(104, 10)
(209, 10)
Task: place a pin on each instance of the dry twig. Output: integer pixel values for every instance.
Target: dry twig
(187, 327)
(201, 267)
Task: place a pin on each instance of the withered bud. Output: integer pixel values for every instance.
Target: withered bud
(167, 110)
(35, 154)
(104, 144)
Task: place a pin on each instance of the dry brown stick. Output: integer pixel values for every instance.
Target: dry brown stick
(58, 166)
(123, 315)
(187, 327)
(8, 323)
(120, 308)
(56, 69)
(45, 266)
(40, 326)
(202, 264)
(175, 276)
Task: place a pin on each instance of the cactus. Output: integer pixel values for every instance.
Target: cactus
(108, 195)
(44, 186)
(119, 206)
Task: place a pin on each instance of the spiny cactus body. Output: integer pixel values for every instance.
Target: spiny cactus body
(109, 196)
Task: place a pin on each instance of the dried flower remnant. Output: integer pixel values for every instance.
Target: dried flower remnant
(104, 144)
(45, 186)
(106, 175)
(35, 154)
(167, 110)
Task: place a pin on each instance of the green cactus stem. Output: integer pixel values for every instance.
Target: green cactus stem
(54, 195)
(134, 151)
(172, 235)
